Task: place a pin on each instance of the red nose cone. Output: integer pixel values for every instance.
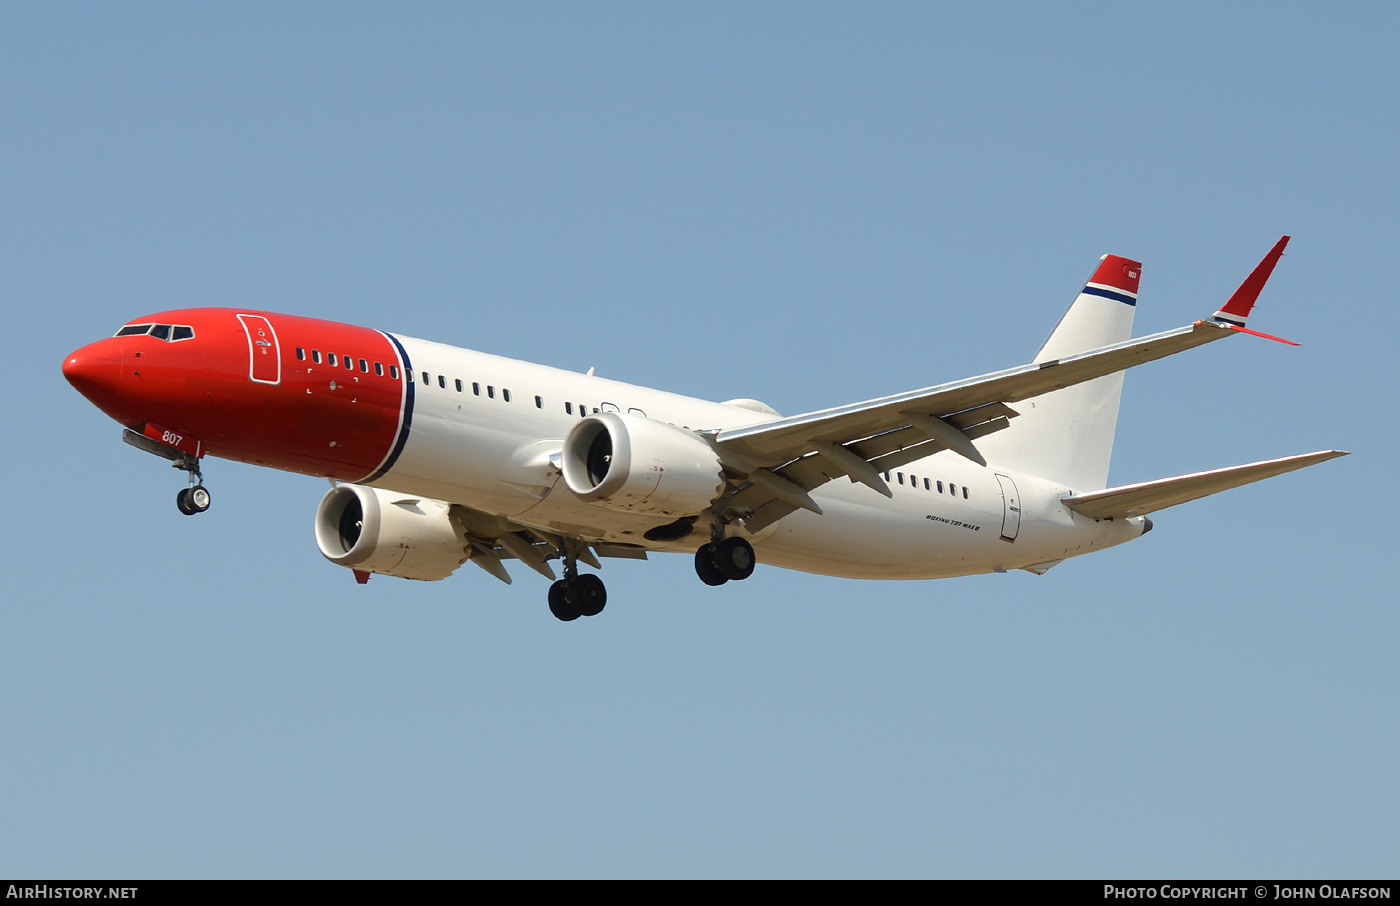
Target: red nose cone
(95, 370)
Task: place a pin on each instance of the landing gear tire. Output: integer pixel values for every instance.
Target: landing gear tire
(192, 500)
(734, 559)
(587, 595)
(705, 566)
(559, 602)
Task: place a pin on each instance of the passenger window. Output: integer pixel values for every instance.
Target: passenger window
(301, 354)
(940, 487)
(490, 392)
(582, 410)
(926, 485)
(442, 382)
(539, 403)
(887, 476)
(952, 489)
(161, 331)
(964, 492)
(459, 385)
(379, 368)
(331, 359)
(426, 379)
(505, 394)
(913, 482)
(476, 388)
(316, 356)
(394, 372)
(568, 408)
(182, 333)
(349, 363)
(900, 476)
(364, 366)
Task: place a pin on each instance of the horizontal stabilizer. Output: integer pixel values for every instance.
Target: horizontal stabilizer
(1149, 496)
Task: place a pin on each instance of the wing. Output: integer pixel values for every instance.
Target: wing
(779, 462)
(1150, 496)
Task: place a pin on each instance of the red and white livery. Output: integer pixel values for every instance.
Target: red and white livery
(442, 455)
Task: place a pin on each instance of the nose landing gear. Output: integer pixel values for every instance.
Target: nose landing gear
(193, 499)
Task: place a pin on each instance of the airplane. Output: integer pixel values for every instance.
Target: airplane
(439, 455)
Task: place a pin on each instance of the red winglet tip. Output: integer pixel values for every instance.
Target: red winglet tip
(1267, 336)
(1244, 298)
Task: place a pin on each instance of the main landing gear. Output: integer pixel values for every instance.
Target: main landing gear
(724, 559)
(576, 595)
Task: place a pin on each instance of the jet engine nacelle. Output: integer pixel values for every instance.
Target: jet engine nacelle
(393, 534)
(633, 463)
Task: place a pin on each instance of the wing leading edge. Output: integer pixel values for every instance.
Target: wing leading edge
(806, 451)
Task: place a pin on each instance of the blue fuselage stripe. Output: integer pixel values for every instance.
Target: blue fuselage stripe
(1110, 294)
(407, 411)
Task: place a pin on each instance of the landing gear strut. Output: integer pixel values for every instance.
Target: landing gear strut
(724, 558)
(576, 595)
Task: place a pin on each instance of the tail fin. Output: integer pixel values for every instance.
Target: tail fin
(1067, 435)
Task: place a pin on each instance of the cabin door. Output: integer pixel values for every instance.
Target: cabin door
(1011, 508)
(264, 358)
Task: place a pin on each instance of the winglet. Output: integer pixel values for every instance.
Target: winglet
(1236, 311)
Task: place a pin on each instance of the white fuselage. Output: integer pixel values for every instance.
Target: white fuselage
(490, 448)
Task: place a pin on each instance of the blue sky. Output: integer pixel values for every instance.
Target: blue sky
(809, 204)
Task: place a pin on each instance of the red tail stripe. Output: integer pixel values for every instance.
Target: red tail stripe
(1119, 273)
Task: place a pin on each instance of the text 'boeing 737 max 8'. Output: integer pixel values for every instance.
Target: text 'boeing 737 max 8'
(440, 455)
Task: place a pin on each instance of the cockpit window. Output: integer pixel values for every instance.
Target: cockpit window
(170, 333)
